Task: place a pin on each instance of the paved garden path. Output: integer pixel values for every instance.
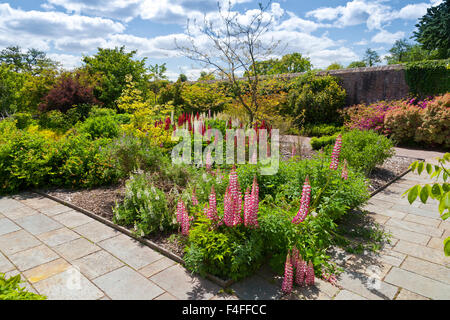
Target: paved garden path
(65, 254)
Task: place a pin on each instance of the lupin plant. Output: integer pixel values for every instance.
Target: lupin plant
(305, 271)
(194, 198)
(288, 280)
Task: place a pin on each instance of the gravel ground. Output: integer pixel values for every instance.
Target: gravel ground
(101, 200)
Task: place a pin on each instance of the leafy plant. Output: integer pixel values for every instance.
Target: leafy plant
(364, 150)
(10, 289)
(144, 206)
(320, 96)
(438, 191)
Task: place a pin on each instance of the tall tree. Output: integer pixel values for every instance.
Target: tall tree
(114, 65)
(433, 29)
(399, 52)
(371, 57)
(235, 45)
(357, 64)
(289, 63)
(33, 61)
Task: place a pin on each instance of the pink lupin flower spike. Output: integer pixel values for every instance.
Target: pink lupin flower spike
(294, 256)
(344, 174)
(300, 269)
(288, 280)
(254, 199)
(180, 205)
(293, 151)
(212, 211)
(247, 208)
(194, 198)
(309, 280)
(304, 203)
(336, 151)
(228, 208)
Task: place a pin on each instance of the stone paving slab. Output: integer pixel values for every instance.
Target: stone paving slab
(56, 237)
(73, 219)
(20, 212)
(127, 284)
(33, 257)
(17, 241)
(256, 288)
(7, 226)
(76, 249)
(130, 251)
(348, 295)
(5, 264)
(97, 264)
(96, 231)
(68, 285)
(46, 270)
(408, 295)
(157, 266)
(427, 269)
(38, 223)
(419, 284)
(181, 284)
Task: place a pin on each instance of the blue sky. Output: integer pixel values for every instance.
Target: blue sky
(326, 31)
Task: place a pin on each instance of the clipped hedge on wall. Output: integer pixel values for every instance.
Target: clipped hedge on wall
(426, 78)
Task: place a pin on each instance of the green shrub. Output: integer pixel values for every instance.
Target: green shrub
(319, 96)
(29, 159)
(132, 153)
(319, 143)
(145, 206)
(100, 127)
(430, 77)
(54, 120)
(364, 150)
(23, 119)
(10, 289)
(319, 130)
(227, 253)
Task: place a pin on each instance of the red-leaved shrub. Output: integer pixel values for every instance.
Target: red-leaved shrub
(69, 91)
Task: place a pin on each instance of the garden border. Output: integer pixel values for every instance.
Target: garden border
(167, 253)
(151, 244)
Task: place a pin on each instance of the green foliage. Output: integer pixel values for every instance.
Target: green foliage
(100, 127)
(202, 96)
(229, 253)
(319, 96)
(145, 207)
(31, 159)
(335, 66)
(289, 63)
(132, 153)
(23, 119)
(33, 61)
(114, 65)
(11, 83)
(357, 64)
(428, 77)
(10, 289)
(438, 191)
(319, 130)
(364, 150)
(320, 142)
(371, 57)
(433, 29)
(55, 120)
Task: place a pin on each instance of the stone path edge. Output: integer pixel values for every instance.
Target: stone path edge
(392, 181)
(151, 244)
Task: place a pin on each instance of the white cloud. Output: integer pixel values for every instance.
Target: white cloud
(68, 61)
(412, 11)
(38, 29)
(387, 37)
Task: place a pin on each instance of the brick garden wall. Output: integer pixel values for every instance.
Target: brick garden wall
(372, 84)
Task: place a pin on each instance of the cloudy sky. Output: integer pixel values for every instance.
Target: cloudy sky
(325, 30)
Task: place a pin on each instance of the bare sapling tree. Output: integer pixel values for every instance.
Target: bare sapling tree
(231, 44)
